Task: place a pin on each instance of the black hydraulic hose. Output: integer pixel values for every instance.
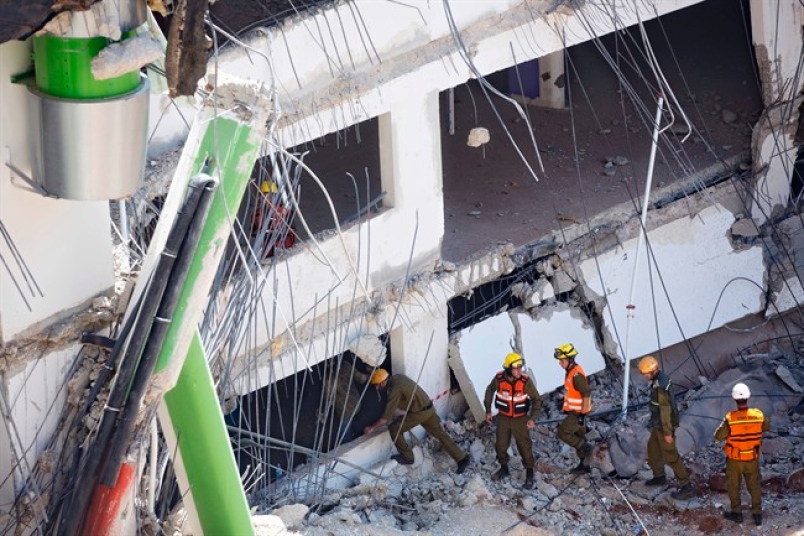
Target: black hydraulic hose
(151, 299)
(108, 367)
(123, 433)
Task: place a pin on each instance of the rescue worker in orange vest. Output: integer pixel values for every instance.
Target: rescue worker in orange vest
(663, 423)
(742, 429)
(518, 406)
(577, 405)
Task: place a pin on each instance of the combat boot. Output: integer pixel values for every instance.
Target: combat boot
(757, 519)
(580, 469)
(528, 479)
(463, 463)
(501, 473)
(684, 493)
(660, 480)
(737, 517)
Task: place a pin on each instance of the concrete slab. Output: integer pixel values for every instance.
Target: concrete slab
(479, 351)
(702, 287)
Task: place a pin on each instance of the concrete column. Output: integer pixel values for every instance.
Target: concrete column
(419, 351)
(552, 81)
(774, 155)
(410, 165)
(777, 32)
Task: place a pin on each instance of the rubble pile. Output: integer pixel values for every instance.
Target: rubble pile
(429, 498)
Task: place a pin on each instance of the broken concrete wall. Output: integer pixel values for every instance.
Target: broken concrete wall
(786, 261)
(776, 32)
(410, 46)
(477, 353)
(36, 394)
(691, 279)
(774, 150)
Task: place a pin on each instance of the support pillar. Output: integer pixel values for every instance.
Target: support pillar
(777, 33)
(776, 27)
(410, 164)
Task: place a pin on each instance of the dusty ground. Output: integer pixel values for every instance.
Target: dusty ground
(430, 499)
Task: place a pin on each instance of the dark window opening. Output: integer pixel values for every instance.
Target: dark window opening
(348, 165)
(285, 424)
(488, 299)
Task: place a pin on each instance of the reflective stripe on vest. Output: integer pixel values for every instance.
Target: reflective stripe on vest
(511, 399)
(745, 434)
(573, 400)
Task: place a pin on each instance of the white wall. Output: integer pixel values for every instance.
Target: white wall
(36, 398)
(324, 90)
(697, 263)
(483, 347)
(776, 31)
(374, 253)
(66, 244)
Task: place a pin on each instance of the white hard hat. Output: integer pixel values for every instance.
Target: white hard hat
(740, 392)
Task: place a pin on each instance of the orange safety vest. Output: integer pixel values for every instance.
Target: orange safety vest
(511, 399)
(573, 400)
(745, 434)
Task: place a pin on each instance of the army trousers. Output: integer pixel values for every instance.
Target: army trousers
(735, 472)
(572, 431)
(661, 452)
(518, 427)
(432, 423)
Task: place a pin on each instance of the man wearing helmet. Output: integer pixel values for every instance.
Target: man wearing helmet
(405, 395)
(577, 404)
(663, 423)
(518, 406)
(742, 429)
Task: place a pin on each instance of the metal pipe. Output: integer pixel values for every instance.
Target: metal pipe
(630, 308)
(178, 259)
(133, 346)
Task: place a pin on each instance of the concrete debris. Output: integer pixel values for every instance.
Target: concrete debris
(369, 348)
(292, 515)
(745, 228)
(478, 136)
(439, 502)
(728, 116)
(126, 56)
(784, 374)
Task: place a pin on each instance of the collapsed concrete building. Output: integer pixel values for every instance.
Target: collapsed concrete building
(460, 179)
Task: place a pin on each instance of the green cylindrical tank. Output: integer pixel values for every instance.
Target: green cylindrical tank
(63, 68)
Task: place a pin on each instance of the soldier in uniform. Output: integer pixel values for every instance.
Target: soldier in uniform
(742, 429)
(663, 421)
(577, 405)
(406, 396)
(518, 406)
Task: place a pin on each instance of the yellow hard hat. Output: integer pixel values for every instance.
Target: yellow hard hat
(648, 364)
(268, 187)
(512, 358)
(379, 376)
(565, 351)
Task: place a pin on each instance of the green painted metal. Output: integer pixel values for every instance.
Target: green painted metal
(229, 148)
(205, 449)
(229, 141)
(63, 68)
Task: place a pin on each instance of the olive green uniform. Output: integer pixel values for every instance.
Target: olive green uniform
(405, 394)
(516, 426)
(664, 421)
(736, 470)
(572, 429)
